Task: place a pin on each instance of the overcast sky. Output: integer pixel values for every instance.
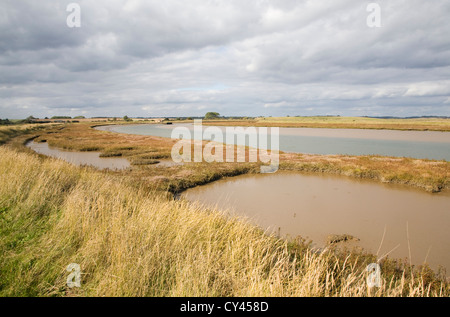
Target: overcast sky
(187, 57)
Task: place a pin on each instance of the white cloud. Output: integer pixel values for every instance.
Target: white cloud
(429, 89)
(276, 104)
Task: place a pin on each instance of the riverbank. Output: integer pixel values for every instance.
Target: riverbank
(130, 241)
(9, 132)
(337, 122)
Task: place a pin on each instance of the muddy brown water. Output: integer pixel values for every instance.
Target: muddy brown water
(80, 158)
(90, 158)
(315, 206)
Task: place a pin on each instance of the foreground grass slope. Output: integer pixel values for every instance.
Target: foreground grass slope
(132, 242)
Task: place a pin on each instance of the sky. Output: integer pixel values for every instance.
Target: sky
(239, 58)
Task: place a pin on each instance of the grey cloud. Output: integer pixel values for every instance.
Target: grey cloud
(239, 58)
(35, 25)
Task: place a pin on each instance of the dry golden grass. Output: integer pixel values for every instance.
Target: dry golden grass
(132, 242)
(8, 132)
(420, 124)
(430, 175)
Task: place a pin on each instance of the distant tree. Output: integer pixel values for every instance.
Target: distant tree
(29, 119)
(5, 122)
(211, 115)
(79, 117)
(190, 118)
(61, 117)
(127, 119)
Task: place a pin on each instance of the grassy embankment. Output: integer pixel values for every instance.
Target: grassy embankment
(9, 132)
(130, 241)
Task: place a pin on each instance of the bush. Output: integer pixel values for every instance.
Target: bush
(211, 115)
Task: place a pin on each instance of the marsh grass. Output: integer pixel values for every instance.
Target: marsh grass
(130, 241)
(429, 175)
(332, 122)
(143, 161)
(9, 132)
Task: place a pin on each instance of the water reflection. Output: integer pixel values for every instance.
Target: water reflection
(80, 158)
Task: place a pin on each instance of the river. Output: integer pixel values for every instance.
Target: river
(416, 144)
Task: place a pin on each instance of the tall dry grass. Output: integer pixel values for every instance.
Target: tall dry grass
(10, 131)
(131, 242)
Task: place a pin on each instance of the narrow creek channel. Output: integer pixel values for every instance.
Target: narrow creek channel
(80, 158)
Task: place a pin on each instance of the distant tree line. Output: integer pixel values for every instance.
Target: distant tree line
(31, 119)
(61, 117)
(207, 116)
(67, 117)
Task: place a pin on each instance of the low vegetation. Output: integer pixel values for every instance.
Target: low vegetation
(336, 122)
(9, 132)
(429, 175)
